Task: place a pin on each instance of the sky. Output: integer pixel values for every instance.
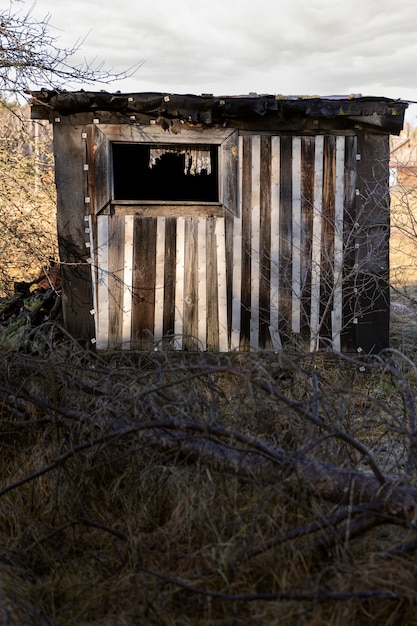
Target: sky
(229, 47)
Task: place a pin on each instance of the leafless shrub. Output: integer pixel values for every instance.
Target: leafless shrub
(174, 489)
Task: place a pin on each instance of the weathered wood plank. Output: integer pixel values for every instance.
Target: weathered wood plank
(285, 241)
(159, 281)
(228, 168)
(71, 182)
(127, 283)
(348, 337)
(255, 241)
(275, 230)
(167, 209)
(307, 212)
(264, 340)
(170, 279)
(327, 251)
(237, 262)
(372, 218)
(179, 284)
(190, 306)
(246, 221)
(156, 134)
(116, 278)
(202, 284)
(221, 284)
(99, 167)
(296, 236)
(144, 271)
(338, 244)
(212, 288)
(316, 245)
(102, 259)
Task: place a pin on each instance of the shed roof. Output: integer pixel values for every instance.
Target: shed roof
(381, 113)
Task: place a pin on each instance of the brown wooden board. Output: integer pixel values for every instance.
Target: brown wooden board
(372, 217)
(285, 239)
(143, 294)
(169, 278)
(190, 310)
(327, 251)
(307, 205)
(265, 245)
(246, 218)
(77, 298)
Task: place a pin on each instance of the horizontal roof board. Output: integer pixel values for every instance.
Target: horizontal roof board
(383, 113)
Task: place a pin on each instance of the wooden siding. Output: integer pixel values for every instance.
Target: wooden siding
(279, 271)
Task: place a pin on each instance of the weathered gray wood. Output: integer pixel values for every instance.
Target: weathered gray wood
(190, 294)
(156, 134)
(100, 175)
(70, 176)
(212, 288)
(116, 279)
(167, 209)
(228, 168)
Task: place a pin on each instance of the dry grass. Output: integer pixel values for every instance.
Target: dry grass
(102, 526)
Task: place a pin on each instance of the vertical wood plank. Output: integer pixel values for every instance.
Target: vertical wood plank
(285, 240)
(372, 239)
(348, 337)
(190, 307)
(275, 228)
(229, 172)
(159, 281)
(307, 211)
(255, 242)
(127, 283)
(179, 284)
(296, 235)
(221, 284)
(92, 225)
(338, 245)
(316, 244)
(144, 268)
(170, 279)
(237, 261)
(70, 179)
(327, 252)
(116, 276)
(102, 338)
(265, 244)
(212, 288)
(202, 285)
(246, 221)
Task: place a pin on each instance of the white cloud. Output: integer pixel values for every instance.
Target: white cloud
(319, 47)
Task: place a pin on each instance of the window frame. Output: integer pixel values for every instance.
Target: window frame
(101, 138)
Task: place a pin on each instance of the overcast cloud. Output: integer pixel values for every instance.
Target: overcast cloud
(228, 47)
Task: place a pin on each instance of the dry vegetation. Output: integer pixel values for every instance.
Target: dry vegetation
(155, 490)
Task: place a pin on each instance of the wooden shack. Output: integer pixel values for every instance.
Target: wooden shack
(223, 223)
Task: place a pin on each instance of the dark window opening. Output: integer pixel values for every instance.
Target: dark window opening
(172, 172)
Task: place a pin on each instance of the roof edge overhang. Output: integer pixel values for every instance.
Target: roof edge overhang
(383, 114)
